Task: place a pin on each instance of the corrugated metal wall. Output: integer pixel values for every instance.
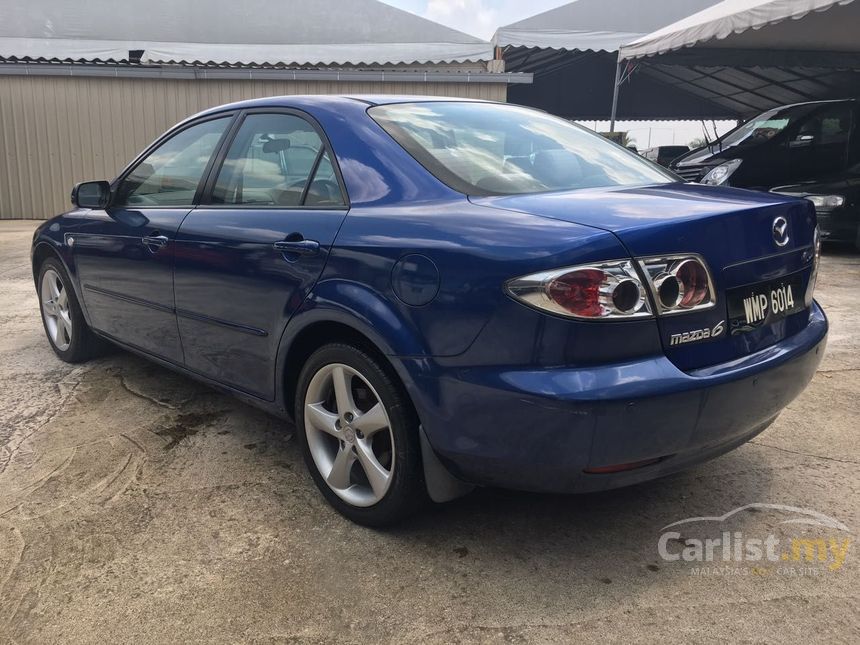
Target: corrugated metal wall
(57, 131)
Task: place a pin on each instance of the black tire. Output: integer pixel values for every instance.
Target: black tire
(406, 493)
(84, 344)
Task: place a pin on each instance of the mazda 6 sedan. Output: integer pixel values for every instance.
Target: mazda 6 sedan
(443, 293)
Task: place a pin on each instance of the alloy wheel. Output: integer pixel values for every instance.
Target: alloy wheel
(349, 434)
(55, 307)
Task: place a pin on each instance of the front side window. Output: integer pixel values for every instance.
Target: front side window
(494, 149)
(170, 175)
(277, 160)
(765, 126)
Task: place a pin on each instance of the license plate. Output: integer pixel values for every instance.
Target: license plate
(764, 303)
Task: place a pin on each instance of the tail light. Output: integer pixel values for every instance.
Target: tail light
(679, 283)
(615, 290)
(816, 259)
(595, 291)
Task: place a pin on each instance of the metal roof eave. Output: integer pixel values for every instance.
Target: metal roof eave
(256, 74)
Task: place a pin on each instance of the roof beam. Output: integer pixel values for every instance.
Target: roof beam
(680, 83)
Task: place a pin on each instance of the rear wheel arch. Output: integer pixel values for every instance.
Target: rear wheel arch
(441, 485)
(324, 332)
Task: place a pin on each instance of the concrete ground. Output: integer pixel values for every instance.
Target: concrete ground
(139, 506)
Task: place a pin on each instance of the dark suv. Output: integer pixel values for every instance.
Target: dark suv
(781, 146)
(665, 155)
(807, 149)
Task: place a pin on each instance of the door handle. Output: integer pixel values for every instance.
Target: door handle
(155, 242)
(298, 247)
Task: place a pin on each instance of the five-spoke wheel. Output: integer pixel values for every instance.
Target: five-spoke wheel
(349, 434)
(360, 435)
(65, 326)
(55, 308)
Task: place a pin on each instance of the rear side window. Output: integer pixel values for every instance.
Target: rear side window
(277, 160)
(835, 124)
(170, 175)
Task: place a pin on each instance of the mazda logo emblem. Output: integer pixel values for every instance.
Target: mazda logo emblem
(780, 231)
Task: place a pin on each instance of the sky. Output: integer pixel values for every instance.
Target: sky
(481, 18)
(477, 17)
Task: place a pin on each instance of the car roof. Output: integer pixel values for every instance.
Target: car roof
(791, 105)
(333, 99)
(326, 102)
(329, 101)
(387, 99)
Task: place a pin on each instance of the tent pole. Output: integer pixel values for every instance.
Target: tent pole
(615, 96)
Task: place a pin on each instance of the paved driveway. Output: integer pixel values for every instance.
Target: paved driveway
(137, 505)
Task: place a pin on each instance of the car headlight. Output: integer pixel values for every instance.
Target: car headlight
(719, 176)
(826, 202)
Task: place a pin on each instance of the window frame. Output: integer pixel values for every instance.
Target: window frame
(211, 178)
(229, 115)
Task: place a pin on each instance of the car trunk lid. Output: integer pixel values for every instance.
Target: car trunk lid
(732, 230)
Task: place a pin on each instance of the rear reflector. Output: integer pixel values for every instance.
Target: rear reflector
(617, 468)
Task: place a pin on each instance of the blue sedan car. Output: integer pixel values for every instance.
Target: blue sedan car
(443, 293)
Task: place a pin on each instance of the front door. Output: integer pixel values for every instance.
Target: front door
(250, 253)
(124, 254)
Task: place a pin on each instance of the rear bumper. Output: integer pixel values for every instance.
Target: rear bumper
(540, 429)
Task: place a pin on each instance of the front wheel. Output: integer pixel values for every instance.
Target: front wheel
(65, 326)
(359, 436)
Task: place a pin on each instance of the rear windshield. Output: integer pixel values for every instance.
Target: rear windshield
(497, 149)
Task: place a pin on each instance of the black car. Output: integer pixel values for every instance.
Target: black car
(664, 155)
(837, 202)
(785, 145)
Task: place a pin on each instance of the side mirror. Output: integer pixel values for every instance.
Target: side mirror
(91, 194)
(802, 141)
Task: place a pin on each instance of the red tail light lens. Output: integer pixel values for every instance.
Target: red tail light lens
(816, 259)
(679, 283)
(578, 292)
(693, 278)
(614, 289)
(605, 290)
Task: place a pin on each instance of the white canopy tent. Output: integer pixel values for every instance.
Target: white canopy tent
(594, 25)
(755, 53)
(250, 32)
(758, 24)
(572, 50)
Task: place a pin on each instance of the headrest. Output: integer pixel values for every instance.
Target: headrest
(557, 168)
(276, 145)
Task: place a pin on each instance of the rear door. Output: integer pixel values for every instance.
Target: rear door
(247, 257)
(820, 145)
(124, 254)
